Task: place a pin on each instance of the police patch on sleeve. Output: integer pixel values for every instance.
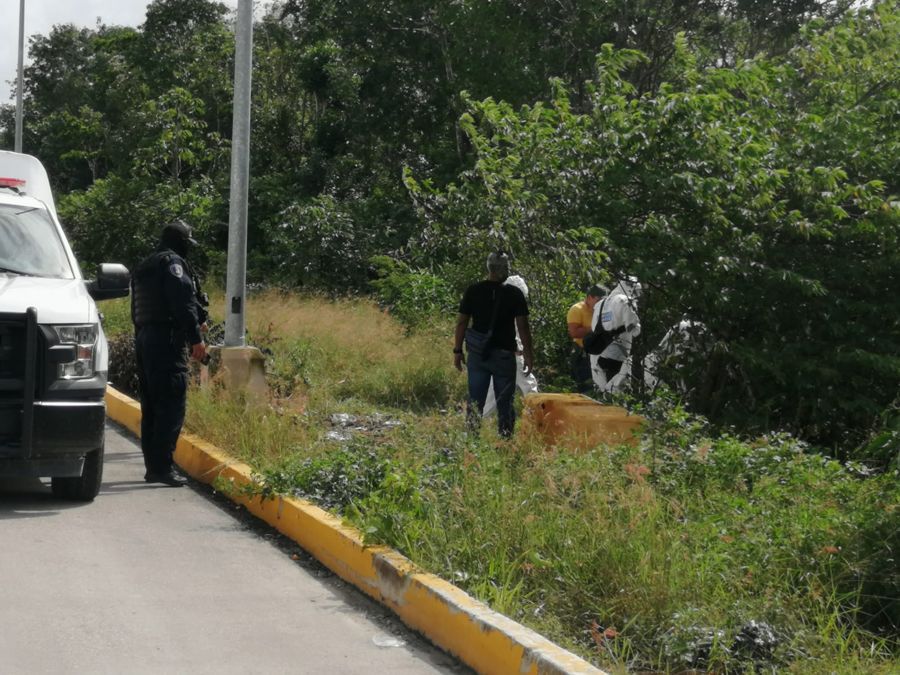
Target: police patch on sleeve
(177, 270)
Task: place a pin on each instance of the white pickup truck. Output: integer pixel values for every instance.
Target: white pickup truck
(53, 353)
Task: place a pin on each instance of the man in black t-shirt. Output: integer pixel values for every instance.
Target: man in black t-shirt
(494, 310)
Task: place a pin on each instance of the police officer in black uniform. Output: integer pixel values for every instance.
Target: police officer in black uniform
(169, 317)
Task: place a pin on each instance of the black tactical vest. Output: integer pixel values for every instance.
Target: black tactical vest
(148, 302)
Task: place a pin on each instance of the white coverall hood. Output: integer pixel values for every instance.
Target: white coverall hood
(518, 282)
(630, 287)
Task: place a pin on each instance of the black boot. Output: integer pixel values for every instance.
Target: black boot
(169, 478)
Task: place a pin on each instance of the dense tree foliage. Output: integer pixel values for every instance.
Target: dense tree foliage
(721, 192)
(739, 157)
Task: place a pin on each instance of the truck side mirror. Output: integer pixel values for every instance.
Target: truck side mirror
(113, 281)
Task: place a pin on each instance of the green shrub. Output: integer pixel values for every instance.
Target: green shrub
(413, 296)
(319, 243)
(123, 373)
(291, 366)
(882, 449)
(333, 479)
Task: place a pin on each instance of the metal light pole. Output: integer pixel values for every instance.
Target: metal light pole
(244, 367)
(20, 78)
(236, 280)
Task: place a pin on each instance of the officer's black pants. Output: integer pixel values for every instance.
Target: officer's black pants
(163, 375)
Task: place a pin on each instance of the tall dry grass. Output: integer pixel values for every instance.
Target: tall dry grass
(349, 351)
(327, 356)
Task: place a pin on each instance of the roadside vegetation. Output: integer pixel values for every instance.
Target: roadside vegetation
(742, 159)
(693, 549)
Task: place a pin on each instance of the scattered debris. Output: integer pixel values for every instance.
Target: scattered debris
(387, 641)
(691, 645)
(345, 426)
(756, 641)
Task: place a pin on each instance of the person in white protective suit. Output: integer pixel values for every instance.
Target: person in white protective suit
(685, 336)
(611, 369)
(526, 382)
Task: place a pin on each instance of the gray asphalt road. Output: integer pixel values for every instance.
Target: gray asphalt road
(151, 579)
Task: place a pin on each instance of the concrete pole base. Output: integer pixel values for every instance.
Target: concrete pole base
(242, 370)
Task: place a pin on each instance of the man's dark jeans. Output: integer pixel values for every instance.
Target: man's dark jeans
(580, 365)
(500, 365)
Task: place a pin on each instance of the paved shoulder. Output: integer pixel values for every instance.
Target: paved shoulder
(150, 579)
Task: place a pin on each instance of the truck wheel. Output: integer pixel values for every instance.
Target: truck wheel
(85, 487)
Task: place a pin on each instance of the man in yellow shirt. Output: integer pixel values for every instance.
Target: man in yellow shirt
(579, 320)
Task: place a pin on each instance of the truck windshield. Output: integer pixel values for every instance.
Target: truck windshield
(30, 244)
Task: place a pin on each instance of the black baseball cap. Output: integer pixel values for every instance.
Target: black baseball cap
(178, 229)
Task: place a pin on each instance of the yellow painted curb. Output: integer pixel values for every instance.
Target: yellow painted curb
(483, 639)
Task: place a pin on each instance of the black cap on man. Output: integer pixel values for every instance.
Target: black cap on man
(177, 236)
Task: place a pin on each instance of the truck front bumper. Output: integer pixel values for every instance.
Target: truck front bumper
(63, 433)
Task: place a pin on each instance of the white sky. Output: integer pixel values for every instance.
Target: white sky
(42, 15)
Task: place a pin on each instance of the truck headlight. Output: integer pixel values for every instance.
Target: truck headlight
(84, 339)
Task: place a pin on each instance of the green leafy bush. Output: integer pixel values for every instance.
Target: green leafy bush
(334, 480)
(882, 449)
(119, 331)
(123, 373)
(320, 243)
(413, 296)
(120, 219)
